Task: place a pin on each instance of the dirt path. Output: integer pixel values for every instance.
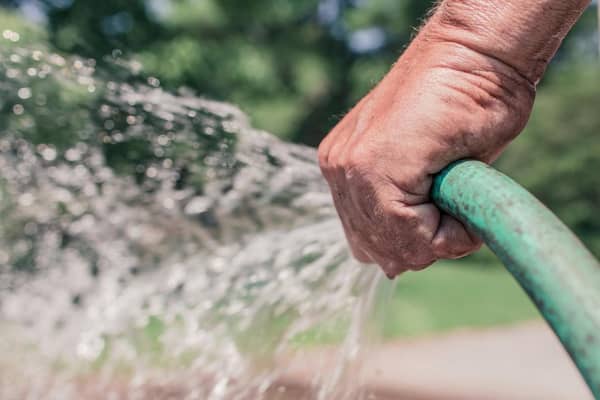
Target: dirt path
(524, 362)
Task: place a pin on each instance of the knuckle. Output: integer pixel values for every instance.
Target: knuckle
(441, 243)
(389, 220)
(396, 213)
(334, 157)
(397, 209)
(359, 158)
(323, 153)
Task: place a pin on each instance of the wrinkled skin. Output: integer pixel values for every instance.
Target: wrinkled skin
(441, 102)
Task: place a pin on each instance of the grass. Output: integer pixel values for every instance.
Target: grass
(448, 296)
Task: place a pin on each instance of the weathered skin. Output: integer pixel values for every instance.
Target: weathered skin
(463, 89)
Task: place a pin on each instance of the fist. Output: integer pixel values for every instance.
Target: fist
(440, 103)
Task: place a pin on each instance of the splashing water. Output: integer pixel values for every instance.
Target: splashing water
(154, 245)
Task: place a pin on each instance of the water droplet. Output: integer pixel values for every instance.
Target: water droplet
(168, 203)
(154, 82)
(151, 172)
(90, 347)
(12, 73)
(18, 109)
(136, 67)
(37, 55)
(163, 140)
(197, 205)
(11, 35)
(26, 199)
(73, 155)
(48, 153)
(57, 60)
(24, 93)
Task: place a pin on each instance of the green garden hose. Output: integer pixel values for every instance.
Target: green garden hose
(556, 270)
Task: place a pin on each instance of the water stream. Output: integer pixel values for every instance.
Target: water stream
(155, 245)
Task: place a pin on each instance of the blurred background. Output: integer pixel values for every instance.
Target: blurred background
(295, 67)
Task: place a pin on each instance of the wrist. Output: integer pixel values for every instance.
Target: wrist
(522, 35)
(462, 68)
(481, 102)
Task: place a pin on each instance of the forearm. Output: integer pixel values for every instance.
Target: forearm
(524, 34)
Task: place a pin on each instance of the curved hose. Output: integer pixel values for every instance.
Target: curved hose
(556, 270)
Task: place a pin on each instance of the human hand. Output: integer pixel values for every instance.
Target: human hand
(441, 102)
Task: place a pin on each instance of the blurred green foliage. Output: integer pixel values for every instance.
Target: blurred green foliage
(294, 65)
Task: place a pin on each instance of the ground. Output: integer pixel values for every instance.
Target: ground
(522, 362)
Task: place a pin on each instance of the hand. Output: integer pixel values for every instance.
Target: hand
(440, 103)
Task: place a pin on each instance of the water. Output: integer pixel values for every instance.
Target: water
(155, 245)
